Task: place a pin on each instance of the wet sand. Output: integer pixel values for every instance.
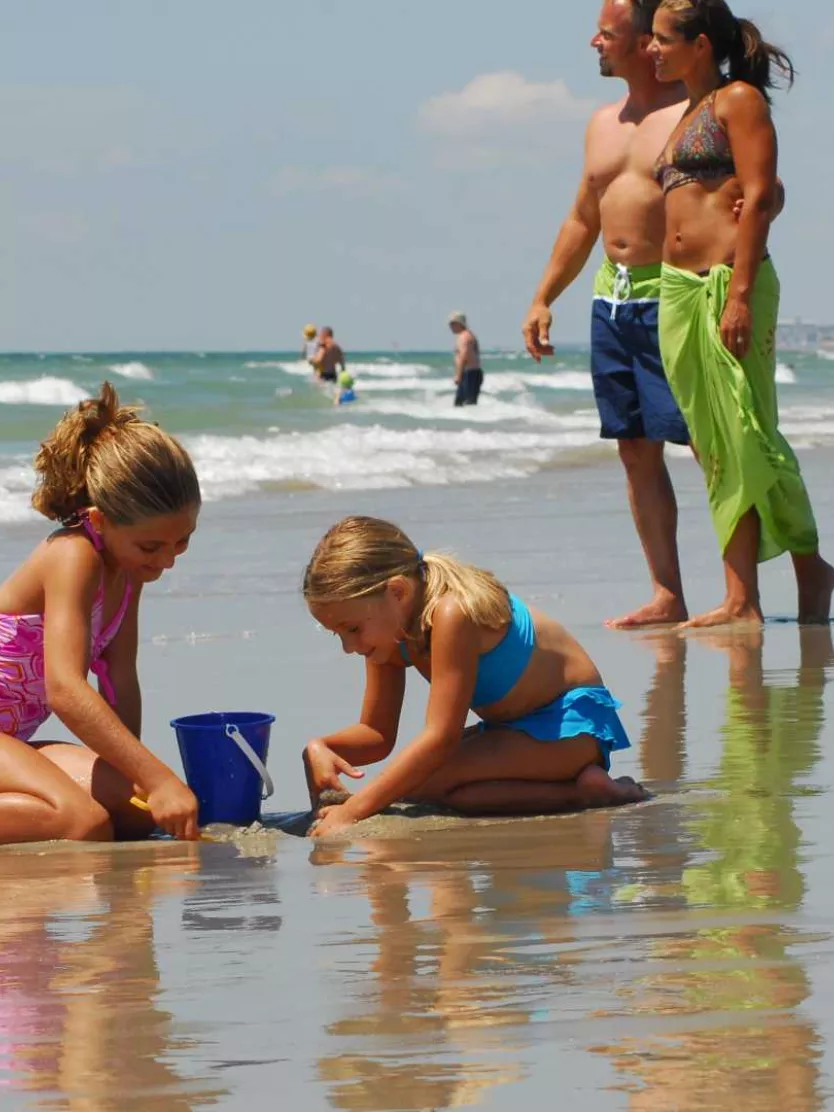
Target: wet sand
(671, 955)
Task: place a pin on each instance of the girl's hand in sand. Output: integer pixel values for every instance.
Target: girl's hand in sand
(324, 767)
(331, 820)
(174, 809)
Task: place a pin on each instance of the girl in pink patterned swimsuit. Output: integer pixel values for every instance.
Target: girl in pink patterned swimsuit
(127, 497)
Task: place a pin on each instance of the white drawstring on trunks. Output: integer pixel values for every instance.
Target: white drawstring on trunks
(622, 288)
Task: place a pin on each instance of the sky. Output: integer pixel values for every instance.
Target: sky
(202, 175)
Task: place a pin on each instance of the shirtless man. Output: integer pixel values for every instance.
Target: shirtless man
(329, 358)
(619, 198)
(469, 376)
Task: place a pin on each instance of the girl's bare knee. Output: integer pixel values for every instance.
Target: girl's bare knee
(82, 823)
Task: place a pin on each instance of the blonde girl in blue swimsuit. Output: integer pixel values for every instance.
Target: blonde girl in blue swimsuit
(548, 725)
(127, 499)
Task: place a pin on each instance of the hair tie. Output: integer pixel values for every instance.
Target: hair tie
(421, 561)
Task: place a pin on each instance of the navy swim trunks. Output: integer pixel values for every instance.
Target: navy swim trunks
(632, 392)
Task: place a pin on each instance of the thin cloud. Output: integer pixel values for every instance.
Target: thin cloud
(350, 179)
(496, 102)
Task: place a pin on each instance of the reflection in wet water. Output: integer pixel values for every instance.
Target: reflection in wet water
(80, 1021)
(738, 985)
(667, 956)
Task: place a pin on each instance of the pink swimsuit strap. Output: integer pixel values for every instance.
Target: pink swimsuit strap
(103, 637)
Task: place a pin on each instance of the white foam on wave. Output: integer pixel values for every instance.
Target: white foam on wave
(785, 375)
(390, 370)
(46, 390)
(300, 366)
(349, 457)
(402, 385)
(132, 370)
(16, 483)
(490, 410)
(381, 369)
(554, 380)
(823, 354)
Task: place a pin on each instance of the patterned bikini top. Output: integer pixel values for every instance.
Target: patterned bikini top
(701, 153)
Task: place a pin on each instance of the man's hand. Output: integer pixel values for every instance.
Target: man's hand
(778, 203)
(536, 331)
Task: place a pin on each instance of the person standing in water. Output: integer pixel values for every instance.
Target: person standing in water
(469, 377)
(719, 300)
(329, 358)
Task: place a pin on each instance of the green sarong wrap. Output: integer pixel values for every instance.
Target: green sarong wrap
(731, 410)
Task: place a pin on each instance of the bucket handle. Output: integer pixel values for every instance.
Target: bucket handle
(243, 745)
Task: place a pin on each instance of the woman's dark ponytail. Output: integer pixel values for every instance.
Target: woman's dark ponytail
(753, 60)
(737, 44)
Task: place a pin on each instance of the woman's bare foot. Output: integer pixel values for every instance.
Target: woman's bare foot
(597, 789)
(664, 609)
(727, 613)
(815, 585)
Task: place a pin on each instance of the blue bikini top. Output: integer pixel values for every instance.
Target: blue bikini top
(500, 669)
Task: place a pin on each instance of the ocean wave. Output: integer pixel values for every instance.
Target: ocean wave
(553, 380)
(348, 457)
(16, 484)
(491, 410)
(300, 366)
(785, 375)
(132, 370)
(391, 370)
(41, 391)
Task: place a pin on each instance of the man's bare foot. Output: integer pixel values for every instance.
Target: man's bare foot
(665, 609)
(815, 585)
(597, 789)
(726, 614)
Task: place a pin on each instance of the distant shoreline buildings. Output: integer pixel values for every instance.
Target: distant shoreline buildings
(800, 335)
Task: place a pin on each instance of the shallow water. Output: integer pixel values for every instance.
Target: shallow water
(673, 955)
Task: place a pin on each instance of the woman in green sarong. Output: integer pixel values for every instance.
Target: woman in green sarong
(719, 300)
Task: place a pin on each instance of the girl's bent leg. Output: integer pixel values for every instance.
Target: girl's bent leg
(105, 785)
(592, 788)
(40, 802)
(505, 771)
(741, 572)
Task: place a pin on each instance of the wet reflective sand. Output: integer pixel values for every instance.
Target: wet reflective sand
(675, 955)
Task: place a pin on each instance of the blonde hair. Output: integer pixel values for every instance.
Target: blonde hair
(103, 454)
(358, 556)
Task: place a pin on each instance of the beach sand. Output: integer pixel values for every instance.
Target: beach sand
(671, 955)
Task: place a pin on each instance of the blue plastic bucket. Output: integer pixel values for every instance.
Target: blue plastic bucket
(224, 757)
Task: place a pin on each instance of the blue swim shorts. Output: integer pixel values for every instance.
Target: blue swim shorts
(584, 710)
(632, 392)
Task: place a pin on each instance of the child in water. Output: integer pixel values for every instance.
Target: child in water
(127, 499)
(548, 724)
(345, 392)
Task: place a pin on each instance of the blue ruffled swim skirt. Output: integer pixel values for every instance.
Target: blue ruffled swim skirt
(584, 710)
